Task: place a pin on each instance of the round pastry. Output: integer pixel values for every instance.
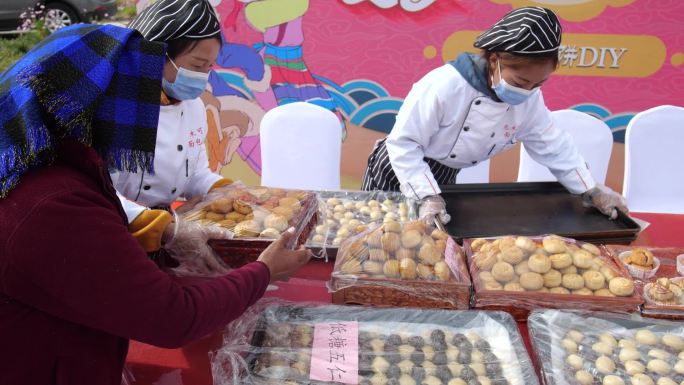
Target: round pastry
(379, 379)
(392, 226)
(569, 345)
(221, 205)
(277, 222)
(372, 267)
(492, 285)
(646, 337)
(283, 211)
(439, 234)
(242, 207)
(227, 223)
(420, 226)
(353, 223)
(378, 255)
(376, 215)
(522, 268)
(621, 287)
(440, 245)
(673, 341)
(217, 217)
(486, 276)
(531, 281)
(591, 248)
(429, 254)
(476, 244)
(582, 259)
(561, 261)
(526, 244)
(391, 216)
(391, 268)
(575, 336)
(634, 367)
(583, 291)
(502, 272)
(424, 272)
(665, 381)
(404, 366)
(559, 290)
(343, 232)
(539, 263)
(573, 281)
(641, 379)
(584, 378)
(553, 245)
(659, 354)
(269, 233)
(608, 339)
(612, 380)
(625, 343)
(505, 242)
(247, 229)
(405, 253)
(552, 278)
(594, 280)
(574, 361)
(659, 366)
(405, 379)
(605, 365)
(365, 210)
(322, 229)
(602, 348)
(332, 202)
(458, 381)
(513, 286)
(407, 268)
(351, 266)
(512, 255)
(608, 272)
(569, 270)
(411, 238)
(380, 365)
(374, 239)
(442, 271)
(679, 367)
(391, 242)
(373, 203)
(318, 238)
(290, 202)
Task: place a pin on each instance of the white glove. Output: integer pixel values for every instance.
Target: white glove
(605, 200)
(189, 247)
(434, 205)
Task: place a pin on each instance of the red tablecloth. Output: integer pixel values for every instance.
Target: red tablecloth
(190, 365)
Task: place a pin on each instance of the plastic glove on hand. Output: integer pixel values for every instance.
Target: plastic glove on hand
(189, 246)
(281, 261)
(605, 200)
(434, 205)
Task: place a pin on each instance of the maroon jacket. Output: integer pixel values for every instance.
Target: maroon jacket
(75, 286)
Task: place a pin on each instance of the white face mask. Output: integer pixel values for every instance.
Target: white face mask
(510, 94)
(188, 84)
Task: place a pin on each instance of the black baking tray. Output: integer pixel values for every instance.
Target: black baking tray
(530, 208)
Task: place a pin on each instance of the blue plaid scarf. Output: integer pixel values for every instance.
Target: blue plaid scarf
(99, 85)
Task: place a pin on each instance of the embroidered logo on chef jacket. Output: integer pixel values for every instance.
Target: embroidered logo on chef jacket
(196, 137)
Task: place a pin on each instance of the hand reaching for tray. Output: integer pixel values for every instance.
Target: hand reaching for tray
(281, 261)
(188, 245)
(434, 205)
(605, 200)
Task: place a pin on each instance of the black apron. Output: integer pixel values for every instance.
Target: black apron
(379, 174)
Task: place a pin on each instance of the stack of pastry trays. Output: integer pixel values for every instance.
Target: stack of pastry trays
(585, 348)
(327, 344)
(547, 271)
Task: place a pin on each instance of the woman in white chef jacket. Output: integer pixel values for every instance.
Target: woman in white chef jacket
(476, 106)
(192, 33)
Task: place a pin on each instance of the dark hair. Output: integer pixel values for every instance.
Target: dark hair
(177, 47)
(522, 60)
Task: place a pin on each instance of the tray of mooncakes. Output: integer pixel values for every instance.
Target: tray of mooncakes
(530, 208)
(586, 348)
(330, 344)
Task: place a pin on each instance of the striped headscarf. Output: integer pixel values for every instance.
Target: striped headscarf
(166, 20)
(528, 31)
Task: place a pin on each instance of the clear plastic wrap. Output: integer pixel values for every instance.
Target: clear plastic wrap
(584, 348)
(343, 214)
(547, 271)
(276, 343)
(401, 264)
(663, 291)
(256, 216)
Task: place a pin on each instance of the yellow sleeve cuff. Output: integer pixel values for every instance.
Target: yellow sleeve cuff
(221, 183)
(148, 228)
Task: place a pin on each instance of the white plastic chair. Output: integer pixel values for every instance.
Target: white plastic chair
(592, 137)
(475, 174)
(301, 145)
(654, 177)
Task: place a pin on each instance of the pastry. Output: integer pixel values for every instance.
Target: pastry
(442, 271)
(352, 266)
(591, 248)
(440, 245)
(552, 278)
(559, 290)
(621, 287)
(227, 223)
(492, 285)
(582, 259)
(374, 239)
(531, 281)
(665, 381)
(512, 255)
(486, 276)
(513, 286)
(407, 268)
(569, 270)
(539, 263)
(476, 244)
(560, 261)
(584, 378)
(424, 272)
(659, 366)
(625, 343)
(391, 242)
(573, 281)
(664, 292)
(247, 229)
(634, 367)
(405, 253)
(270, 233)
(569, 345)
(502, 272)
(646, 337)
(411, 239)
(575, 336)
(640, 258)
(605, 365)
(553, 245)
(593, 280)
(574, 361)
(673, 341)
(391, 269)
(332, 202)
(522, 268)
(609, 273)
(438, 234)
(215, 217)
(602, 348)
(221, 205)
(679, 367)
(392, 227)
(659, 354)
(284, 211)
(375, 215)
(372, 267)
(242, 207)
(429, 254)
(378, 255)
(582, 291)
(277, 222)
(343, 232)
(291, 202)
(641, 379)
(526, 244)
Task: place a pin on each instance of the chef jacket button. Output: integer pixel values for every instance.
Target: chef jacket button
(477, 102)
(492, 135)
(181, 113)
(180, 147)
(466, 128)
(474, 162)
(452, 156)
(173, 191)
(147, 187)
